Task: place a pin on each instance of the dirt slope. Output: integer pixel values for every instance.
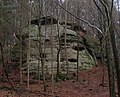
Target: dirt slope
(89, 85)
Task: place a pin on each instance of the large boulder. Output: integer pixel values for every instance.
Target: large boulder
(85, 61)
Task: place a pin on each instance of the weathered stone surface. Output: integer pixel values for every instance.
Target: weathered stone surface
(85, 62)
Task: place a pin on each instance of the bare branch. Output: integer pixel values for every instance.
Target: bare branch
(83, 20)
(98, 7)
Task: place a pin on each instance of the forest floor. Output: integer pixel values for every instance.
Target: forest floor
(89, 85)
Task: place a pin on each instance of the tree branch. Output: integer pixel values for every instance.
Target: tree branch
(98, 7)
(83, 20)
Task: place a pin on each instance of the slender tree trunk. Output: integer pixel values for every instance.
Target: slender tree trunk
(102, 50)
(21, 71)
(110, 33)
(28, 59)
(113, 43)
(66, 58)
(2, 59)
(58, 65)
(78, 44)
(110, 69)
(59, 47)
(109, 58)
(40, 44)
(52, 67)
(39, 71)
(2, 5)
(78, 59)
(51, 39)
(42, 60)
(20, 45)
(116, 58)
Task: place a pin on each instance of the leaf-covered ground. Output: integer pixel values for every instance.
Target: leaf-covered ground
(90, 84)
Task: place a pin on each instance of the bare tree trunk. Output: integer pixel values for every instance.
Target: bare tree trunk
(2, 57)
(102, 50)
(40, 44)
(67, 64)
(113, 43)
(28, 59)
(42, 60)
(21, 42)
(51, 39)
(21, 71)
(116, 58)
(110, 36)
(59, 47)
(78, 59)
(39, 71)
(110, 68)
(78, 44)
(52, 67)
